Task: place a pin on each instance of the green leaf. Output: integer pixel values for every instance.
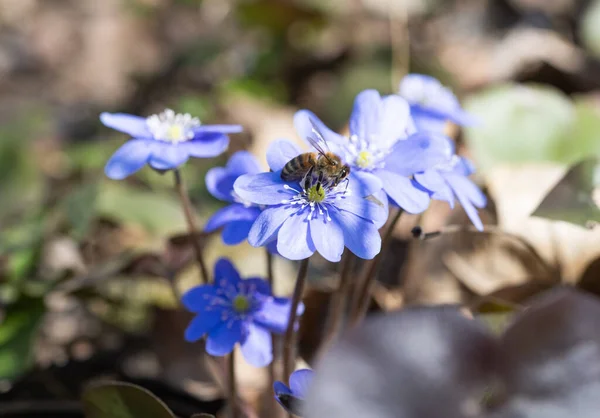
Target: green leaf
(80, 208)
(159, 213)
(17, 334)
(571, 199)
(122, 400)
(524, 123)
(590, 28)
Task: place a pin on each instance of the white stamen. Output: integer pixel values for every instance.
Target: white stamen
(172, 127)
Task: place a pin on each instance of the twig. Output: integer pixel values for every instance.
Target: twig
(339, 299)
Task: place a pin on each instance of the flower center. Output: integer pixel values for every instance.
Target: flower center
(241, 304)
(316, 193)
(172, 127)
(364, 159)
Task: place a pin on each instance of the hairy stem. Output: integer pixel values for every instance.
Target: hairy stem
(371, 268)
(232, 388)
(339, 301)
(191, 222)
(289, 352)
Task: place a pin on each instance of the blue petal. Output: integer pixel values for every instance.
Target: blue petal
(128, 159)
(206, 146)
(293, 240)
(280, 152)
(275, 313)
(134, 126)
(231, 213)
(365, 118)
(198, 298)
(281, 389)
(363, 183)
(222, 339)
(467, 188)
(433, 181)
(222, 129)
(304, 127)
(257, 347)
(166, 156)
(401, 190)
(466, 203)
(360, 236)
(203, 324)
(236, 232)
(381, 198)
(220, 183)
(300, 382)
(363, 207)
(225, 274)
(328, 238)
(262, 188)
(395, 122)
(419, 152)
(426, 123)
(268, 224)
(463, 166)
(257, 284)
(243, 162)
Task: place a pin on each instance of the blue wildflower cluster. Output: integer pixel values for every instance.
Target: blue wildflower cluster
(330, 196)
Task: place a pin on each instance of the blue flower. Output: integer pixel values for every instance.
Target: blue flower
(450, 179)
(432, 104)
(164, 141)
(291, 397)
(310, 215)
(383, 148)
(238, 217)
(233, 311)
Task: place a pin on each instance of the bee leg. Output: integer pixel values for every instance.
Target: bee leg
(347, 182)
(320, 180)
(308, 178)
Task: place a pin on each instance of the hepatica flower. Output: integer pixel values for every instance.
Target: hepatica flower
(383, 147)
(432, 104)
(164, 141)
(311, 215)
(238, 217)
(235, 310)
(292, 397)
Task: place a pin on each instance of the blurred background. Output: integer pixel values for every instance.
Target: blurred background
(82, 258)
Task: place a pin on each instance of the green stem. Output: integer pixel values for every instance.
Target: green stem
(191, 222)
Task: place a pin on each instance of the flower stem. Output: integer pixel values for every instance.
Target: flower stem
(191, 222)
(289, 353)
(339, 301)
(232, 388)
(363, 296)
(273, 410)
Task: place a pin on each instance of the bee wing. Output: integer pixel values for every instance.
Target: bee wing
(375, 200)
(318, 142)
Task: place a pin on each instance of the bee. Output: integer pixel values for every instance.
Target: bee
(327, 166)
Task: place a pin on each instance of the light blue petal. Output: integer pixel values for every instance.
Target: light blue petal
(381, 198)
(300, 382)
(128, 159)
(433, 181)
(243, 162)
(401, 190)
(222, 129)
(206, 146)
(262, 188)
(257, 347)
(275, 313)
(395, 121)
(198, 298)
(280, 152)
(366, 208)
(202, 324)
(360, 236)
(222, 339)
(268, 223)
(426, 123)
(328, 238)
(135, 126)
(166, 156)
(363, 183)
(418, 153)
(293, 240)
(463, 166)
(236, 232)
(304, 127)
(231, 213)
(467, 188)
(366, 114)
(226, 274)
